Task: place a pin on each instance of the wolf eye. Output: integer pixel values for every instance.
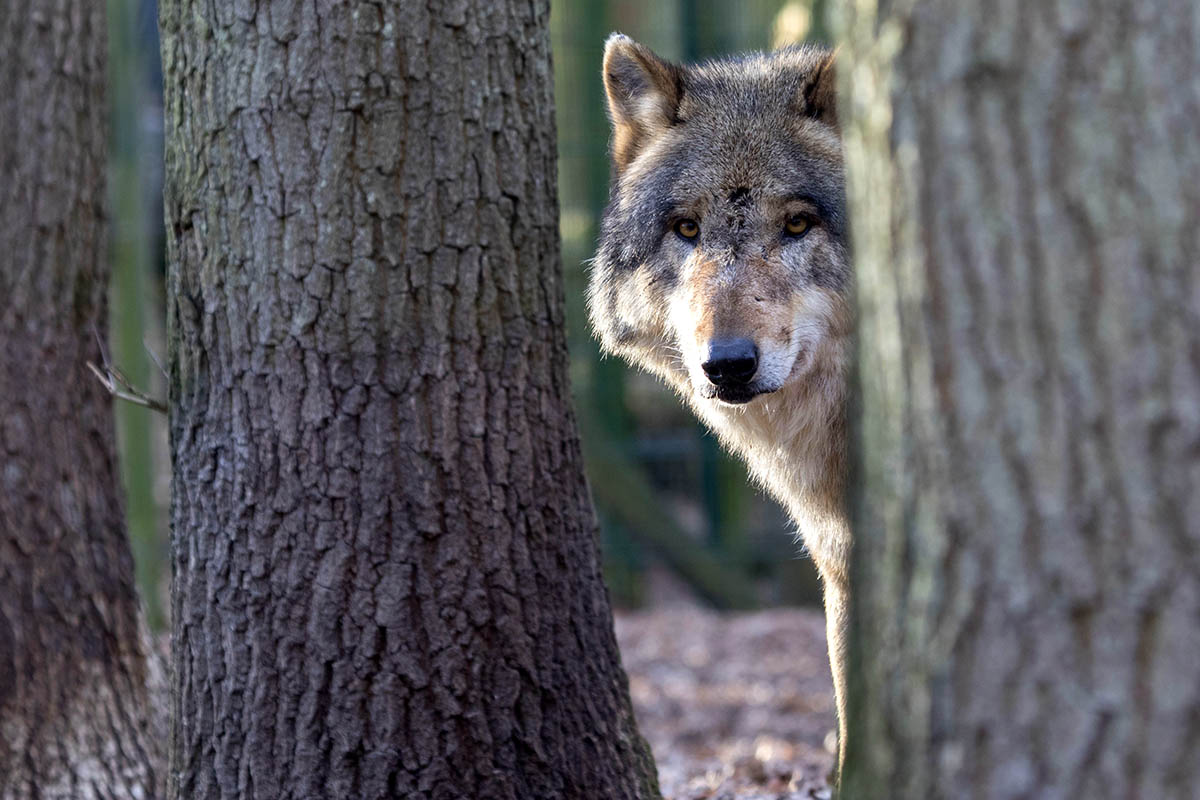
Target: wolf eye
(687, 228)
(797, 225)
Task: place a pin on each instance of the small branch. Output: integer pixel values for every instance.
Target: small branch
(154, 358)
(100, 345)
(118, 385)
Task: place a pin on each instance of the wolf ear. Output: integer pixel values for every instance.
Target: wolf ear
(643, 95)
(820, 93)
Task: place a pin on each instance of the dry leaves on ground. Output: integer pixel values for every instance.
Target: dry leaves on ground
(735, 706)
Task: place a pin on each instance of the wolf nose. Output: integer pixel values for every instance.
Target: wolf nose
(731, 361)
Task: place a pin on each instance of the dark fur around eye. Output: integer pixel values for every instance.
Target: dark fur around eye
(642, 214)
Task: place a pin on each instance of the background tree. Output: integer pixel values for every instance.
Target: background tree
(386, 579)
(73, 708)
(1025, 184)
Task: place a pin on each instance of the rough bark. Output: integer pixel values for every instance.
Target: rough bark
(73, 703)
(386, 578)
(1025, 184)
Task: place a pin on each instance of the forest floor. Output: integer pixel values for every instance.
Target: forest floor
(735, 706)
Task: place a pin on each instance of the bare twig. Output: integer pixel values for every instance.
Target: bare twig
(120, 386)
(154, 358)
(100, 345)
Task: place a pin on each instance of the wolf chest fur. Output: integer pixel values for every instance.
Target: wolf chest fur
(722, 268)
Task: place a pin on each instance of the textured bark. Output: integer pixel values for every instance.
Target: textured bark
(386, 578)
(1025, 179)
(73, 703)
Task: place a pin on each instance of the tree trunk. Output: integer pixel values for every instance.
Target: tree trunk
(386, 578)
(73, 707)
(1025, 184)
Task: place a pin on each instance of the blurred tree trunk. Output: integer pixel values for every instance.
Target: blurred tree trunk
(386, 578)
(73, 703)
(1025, 183)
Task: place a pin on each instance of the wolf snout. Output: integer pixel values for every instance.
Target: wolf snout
(731, 362)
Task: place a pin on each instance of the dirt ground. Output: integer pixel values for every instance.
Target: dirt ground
(735, 706)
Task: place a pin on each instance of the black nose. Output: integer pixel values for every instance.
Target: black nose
(731, 361)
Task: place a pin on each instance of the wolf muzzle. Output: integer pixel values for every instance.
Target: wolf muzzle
(731, 362)
(731, 367)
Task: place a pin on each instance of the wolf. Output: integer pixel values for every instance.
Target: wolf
(722, 267)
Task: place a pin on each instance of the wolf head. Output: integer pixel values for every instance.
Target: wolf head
(722, 261)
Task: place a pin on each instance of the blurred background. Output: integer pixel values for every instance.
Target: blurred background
(679, 521)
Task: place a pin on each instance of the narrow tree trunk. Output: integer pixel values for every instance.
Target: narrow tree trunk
(73, 707)
(1025, 182)
(386, 579)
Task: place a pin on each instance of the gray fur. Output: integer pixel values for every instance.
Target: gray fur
(745, 153)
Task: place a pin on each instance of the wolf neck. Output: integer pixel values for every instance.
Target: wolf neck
(794, 444)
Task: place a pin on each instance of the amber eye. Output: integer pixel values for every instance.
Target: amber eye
(797, 225)
(687, 228)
